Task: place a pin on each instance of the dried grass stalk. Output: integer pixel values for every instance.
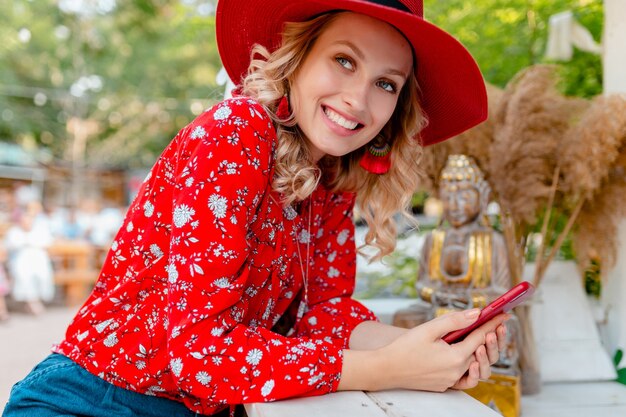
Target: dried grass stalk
(543, 265)
(591, 147)
(433, 160)
(475, 142)
(595, 236)
(544, 226)
(528, 128)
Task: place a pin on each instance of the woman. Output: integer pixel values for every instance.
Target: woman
(29, 264)
(5, 285)
(242, 231)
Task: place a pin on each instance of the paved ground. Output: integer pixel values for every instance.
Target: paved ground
(25, 340)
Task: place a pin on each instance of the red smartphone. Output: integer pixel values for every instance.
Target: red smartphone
(506, 302)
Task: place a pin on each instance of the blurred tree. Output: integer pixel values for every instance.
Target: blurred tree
(506, 36)
(90, 78)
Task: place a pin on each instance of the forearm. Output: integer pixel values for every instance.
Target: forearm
(371, 335)
(364, 364)
(363, 370)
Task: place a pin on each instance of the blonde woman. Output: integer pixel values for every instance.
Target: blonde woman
(230, 280)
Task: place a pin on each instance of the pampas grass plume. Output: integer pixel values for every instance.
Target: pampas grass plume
(592, 146)
(528, 127)
(475, 142)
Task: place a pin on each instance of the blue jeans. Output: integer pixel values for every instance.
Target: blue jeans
(59, 387)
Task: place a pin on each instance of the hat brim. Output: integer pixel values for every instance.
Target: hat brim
(452, 89)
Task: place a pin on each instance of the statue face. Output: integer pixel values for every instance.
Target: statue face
(461, 204)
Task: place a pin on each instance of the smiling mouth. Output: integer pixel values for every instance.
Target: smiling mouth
(340, 120)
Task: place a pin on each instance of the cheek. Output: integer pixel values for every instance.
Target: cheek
(467, 207)
(319, 78)
(306, 90)
(472, 200)
(294, 102)
(383, 108)
(297, 99)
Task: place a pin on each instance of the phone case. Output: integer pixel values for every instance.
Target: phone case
(506, 302)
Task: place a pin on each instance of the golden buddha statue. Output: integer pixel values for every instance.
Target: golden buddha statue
(464, 264)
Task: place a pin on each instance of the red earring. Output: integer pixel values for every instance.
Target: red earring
(282, 111)
(377, 158)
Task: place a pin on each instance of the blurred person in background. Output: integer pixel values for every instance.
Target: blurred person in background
(106, 224)
(4, 285)
(29, 264)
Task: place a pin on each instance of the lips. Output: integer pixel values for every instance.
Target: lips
(340, 120)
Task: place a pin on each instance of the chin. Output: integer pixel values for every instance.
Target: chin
(458, 224)
(337, 153)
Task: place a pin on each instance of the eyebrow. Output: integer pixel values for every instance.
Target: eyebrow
(359, 53)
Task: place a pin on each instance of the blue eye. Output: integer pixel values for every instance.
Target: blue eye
(344, 62)
(387, 86)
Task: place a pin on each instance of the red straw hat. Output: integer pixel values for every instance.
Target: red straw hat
(452, 90)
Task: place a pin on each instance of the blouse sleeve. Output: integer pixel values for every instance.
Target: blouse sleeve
(223, 171)
(332, 311)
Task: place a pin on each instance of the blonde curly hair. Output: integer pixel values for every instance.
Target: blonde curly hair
(378, 197)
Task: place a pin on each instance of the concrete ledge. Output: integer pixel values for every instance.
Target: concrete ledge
(375, 404)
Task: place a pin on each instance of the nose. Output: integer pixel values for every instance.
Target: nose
(355, 95)
(454, 203)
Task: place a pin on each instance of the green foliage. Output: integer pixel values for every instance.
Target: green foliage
(419, 198)
(144, 64)
(583, 75)
(399, 281)
(417, 202)
(621, 372)
(558, 221)
(154, 64)
(506, 36)
(593, 279)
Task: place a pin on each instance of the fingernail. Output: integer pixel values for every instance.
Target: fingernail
(472, 314)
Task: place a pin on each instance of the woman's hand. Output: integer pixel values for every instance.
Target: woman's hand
(419, 359)
(424, 361)
(485, 356)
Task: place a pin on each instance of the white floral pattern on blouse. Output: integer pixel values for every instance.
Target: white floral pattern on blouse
(204, 267)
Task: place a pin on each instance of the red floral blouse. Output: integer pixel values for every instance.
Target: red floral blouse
(205, 265)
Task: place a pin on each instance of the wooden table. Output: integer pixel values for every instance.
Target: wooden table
(75, 267)
(396, 403)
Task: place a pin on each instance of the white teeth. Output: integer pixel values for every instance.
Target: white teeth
(338, 119)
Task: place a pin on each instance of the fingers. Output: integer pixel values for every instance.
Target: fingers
(470, 379)
(484, 367)
(452, 321)
(478, 369)
(501, 333)
(492, 348)
(485, 355)
(477, 336)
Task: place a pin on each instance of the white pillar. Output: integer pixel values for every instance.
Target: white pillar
(614, 65)
(614, 57)
(614, 297)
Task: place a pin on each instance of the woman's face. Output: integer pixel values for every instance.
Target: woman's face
(347, 88)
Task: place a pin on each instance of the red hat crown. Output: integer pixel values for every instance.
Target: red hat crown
(415, 6)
